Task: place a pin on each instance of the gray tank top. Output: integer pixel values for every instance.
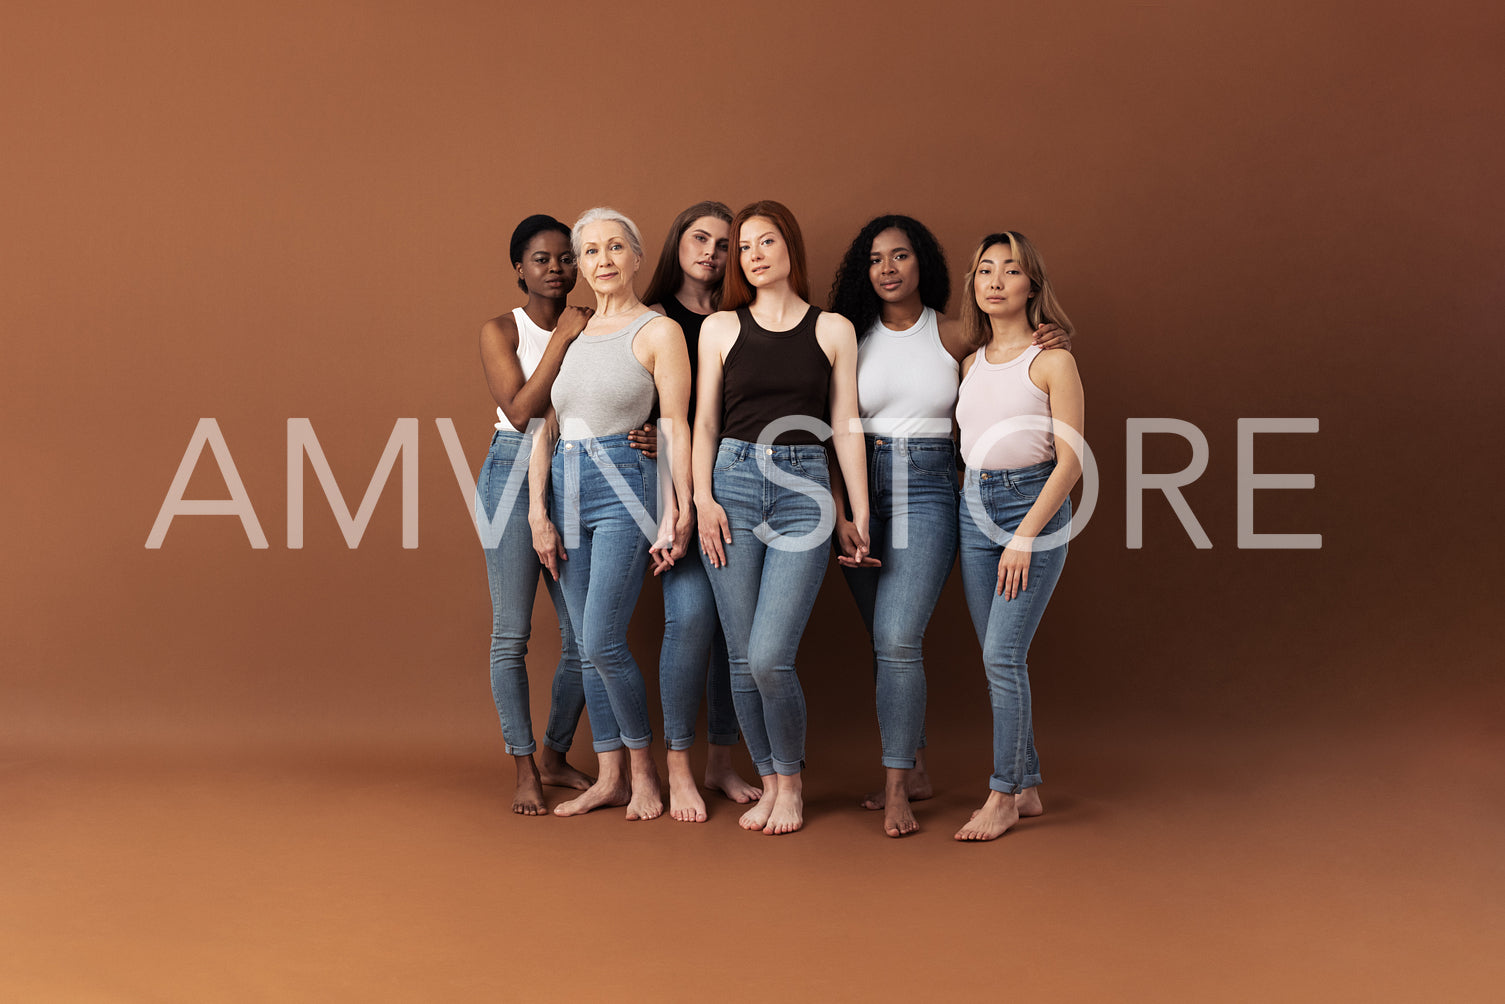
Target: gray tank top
(602, 389)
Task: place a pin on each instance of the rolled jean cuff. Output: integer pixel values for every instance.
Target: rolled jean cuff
(723, 738)
(638, 744)
(607, 745)
(899, 762)
(1003, 786)
(681, 744)
(527, 750)
(784, 769)
(555, 744)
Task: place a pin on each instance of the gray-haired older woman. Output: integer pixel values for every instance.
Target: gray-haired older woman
(604, 493)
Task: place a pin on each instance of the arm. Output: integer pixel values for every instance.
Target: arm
(519, 400)
(1057, 375)
(848, 539)
(717, 336)
(839, 341)
(669, 363)
(545, 537)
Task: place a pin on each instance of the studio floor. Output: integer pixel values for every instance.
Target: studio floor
(1310, 861)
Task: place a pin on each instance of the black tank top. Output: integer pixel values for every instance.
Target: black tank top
(773, 374)
(690, 322)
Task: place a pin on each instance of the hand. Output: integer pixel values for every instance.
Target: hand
(1013, 567)
(549, 547)
(849, 542)
(645, 439)
(715, 532)
(662, 551)
(572, 322)
(1052, 336)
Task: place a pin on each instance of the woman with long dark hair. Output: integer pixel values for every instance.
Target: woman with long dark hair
(520, 353)
(604, 492)
(893, 286)
(686, 286)
(1020, 411)
(773, 368)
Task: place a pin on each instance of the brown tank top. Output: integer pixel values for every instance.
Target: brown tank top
(770, 375)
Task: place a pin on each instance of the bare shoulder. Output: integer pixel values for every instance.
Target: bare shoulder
(503, 329)
(1053, 362)
(722, 326)
(967, 361)
(953, 337)
(833, 330)
(663, 330)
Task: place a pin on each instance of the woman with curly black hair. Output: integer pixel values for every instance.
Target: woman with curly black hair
(893, 285)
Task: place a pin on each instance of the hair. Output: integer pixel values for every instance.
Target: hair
(852, 293)
(1043, 307)
(527, 230)
(601, 214)
(736, 291)
(667, 274)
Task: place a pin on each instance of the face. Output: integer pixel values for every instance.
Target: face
(606, 257)
(1001, 287)
(762, 252)
(548, 265)
(703, 249)
(892, 267)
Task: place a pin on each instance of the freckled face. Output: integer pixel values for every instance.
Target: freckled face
(548, 266)
(606, 257)
(703, 249)
(762, 252)
(892, 267)
(1000, 285)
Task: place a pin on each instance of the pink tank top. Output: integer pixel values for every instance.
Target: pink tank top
(992, 394)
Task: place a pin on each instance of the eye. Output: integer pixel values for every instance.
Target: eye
(567, 259)
(744, 248)
(901, 256)
(873, 260)
(700, 238)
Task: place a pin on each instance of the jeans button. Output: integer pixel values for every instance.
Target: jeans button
(770, 452)
(569, 446)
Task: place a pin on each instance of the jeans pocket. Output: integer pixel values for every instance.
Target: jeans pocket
(933, 463)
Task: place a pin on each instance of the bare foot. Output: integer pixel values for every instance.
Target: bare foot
(685, 803)
(647, 800)
(756, 817)
(898, 818)
(788, 807)
(1028, 802)
(990, 822)
(611, 788)
(528, 799)
(918, 785)
(721, 776)
(554, 769)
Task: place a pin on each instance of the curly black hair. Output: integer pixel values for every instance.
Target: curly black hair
(852, 293)
(526, 231)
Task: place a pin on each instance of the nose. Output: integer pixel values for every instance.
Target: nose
(887, 266)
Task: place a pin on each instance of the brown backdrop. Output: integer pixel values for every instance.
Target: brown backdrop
(1250, 210)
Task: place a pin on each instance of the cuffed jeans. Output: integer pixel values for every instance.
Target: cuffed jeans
(913, 531)
(1006, 627)
(766, 589)
(512, 571)
(594, 482)
(693, 661)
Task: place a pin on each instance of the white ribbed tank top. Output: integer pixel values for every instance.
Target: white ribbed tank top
(906, 381)
(992, 394)
(531, 341)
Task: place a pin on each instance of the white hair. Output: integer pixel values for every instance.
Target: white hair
(602, 214)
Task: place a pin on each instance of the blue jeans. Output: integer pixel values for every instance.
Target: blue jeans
(512, 571)
(607, 555)
(767, 588)
(693, 660)
(912, 498)
(1006, 627)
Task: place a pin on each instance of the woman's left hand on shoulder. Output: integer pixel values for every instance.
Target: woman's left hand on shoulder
(1052, 336)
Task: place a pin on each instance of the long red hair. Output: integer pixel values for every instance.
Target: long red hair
(736, 291)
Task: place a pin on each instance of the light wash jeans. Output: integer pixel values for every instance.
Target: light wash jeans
(604, 574)
(911, 491)
(512, 571)
(764, 593)
(1006, 627)
(692, 661)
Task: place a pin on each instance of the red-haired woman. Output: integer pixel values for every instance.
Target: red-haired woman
(772, 369)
